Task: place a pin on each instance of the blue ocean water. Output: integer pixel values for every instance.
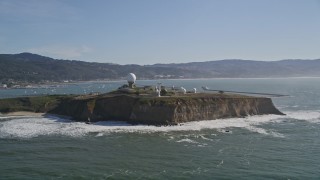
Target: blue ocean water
(256, 147)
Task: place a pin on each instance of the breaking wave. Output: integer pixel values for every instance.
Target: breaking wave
(29, 127)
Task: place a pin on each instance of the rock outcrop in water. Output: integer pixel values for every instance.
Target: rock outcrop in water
(144, 109)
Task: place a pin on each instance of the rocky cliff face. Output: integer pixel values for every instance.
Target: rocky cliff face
(204, 108)
(164, 110)
(144, 109)
(214, 108)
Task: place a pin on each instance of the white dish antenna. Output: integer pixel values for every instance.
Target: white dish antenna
(131, 78)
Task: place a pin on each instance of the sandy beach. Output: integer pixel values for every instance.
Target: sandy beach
(23, 113)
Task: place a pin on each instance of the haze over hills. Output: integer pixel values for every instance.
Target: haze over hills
(252, 69)
(27, 67)
(35, 68)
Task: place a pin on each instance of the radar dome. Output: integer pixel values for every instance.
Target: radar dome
(131, 78)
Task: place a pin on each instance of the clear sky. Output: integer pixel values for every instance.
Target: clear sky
(161, 31)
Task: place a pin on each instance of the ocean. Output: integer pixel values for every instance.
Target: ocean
(255, 147)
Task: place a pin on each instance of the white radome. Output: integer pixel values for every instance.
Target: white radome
(183, 90)
(131, 78)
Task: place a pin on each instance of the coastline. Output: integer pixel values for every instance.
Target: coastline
(23, 113)
(33, 114)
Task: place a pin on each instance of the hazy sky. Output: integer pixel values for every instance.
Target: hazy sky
(161, 31)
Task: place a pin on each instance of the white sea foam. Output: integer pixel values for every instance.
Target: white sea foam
(29, 127)
(33, 127)
(14, 117)
(311, 116)
(3, 117)
(188, 141)
(192, 138)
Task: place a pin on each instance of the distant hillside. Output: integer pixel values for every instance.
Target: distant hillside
(35, 68)
(251, 69)
(27, 67)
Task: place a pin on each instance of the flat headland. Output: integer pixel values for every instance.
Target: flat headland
(144, 105)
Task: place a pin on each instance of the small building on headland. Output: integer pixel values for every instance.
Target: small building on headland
(147, 90)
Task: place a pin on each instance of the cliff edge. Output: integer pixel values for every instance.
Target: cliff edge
(133, 108)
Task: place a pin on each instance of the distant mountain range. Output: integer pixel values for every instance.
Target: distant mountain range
(27, 67)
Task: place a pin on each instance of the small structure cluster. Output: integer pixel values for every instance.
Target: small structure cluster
(157, 90)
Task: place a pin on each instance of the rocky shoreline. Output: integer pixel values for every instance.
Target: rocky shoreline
(144, 109)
